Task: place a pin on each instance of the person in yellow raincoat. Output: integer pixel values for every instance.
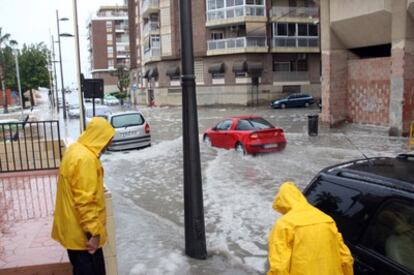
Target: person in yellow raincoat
(80, 217)
(305, 241)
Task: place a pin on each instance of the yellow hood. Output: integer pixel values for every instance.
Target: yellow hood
(289, 197)
(97, 135)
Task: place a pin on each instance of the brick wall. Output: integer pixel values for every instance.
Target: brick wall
(369, 90)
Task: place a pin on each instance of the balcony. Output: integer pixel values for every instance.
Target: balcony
(236, 14)
(294, 14)
(152, 27)
(152, 54)
(121, 28)
(290, 76)
(295, 44)
(237, 45)
(149, 6)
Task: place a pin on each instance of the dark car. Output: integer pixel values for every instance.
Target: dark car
(372, 202)
(293, 100)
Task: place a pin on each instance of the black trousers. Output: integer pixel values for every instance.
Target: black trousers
(87, 264)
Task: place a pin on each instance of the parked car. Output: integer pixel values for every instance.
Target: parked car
(293, 100)
(246, 134)
(131, 131)
(73, 110)
(100, 111)
(110, 100)
(372, 202)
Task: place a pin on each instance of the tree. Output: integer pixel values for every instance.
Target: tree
(34, 72)
(5, 42)
(122, 73)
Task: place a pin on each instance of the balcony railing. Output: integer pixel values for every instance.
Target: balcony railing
(295, 42)
(306, 12)
(237, 42)
(151, 26)
(236, 11)
(146, 4)
(280, 76)
(153, 52)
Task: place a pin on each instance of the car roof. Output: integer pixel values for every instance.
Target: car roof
(244, 117)
(395, 172)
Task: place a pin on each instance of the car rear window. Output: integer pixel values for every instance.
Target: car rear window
(127, 120)
(253, 124)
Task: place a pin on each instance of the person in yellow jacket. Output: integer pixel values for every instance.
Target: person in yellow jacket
(305, 241)
(80, 217)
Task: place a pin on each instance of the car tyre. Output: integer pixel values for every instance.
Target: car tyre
(283, 106)
(240, 148)
(206, 140)
(306, 104)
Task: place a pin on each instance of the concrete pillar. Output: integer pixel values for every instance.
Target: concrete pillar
(334, 71)
(402, 70)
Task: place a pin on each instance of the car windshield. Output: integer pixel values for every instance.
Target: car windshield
(127, 120)
(254, 124)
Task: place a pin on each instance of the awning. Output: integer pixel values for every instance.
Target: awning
(153, 73)
(216, 68)
(146, 73)
(255, 69)
(239, 67)
(174, 71)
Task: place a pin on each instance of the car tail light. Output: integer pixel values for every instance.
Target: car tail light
(254, 136)
(147, 128)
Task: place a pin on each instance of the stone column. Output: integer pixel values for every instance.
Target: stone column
(402, 70)
(334, 71)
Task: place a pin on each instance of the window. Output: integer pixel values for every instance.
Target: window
(127, 120)
(108, 26)
(217, 75)
(254, 2)
(224, 125)
(281, 66)
(253, 124)
(231, 3)
(215, 4)
(313, 30)
(110, 63)
(216, 35)
(110, 51)
(391, 233)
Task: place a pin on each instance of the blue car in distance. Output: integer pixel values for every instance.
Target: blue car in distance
(293, 100)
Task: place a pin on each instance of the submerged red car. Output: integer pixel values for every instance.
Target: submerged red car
(246, 134)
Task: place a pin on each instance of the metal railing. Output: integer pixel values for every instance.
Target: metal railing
(25, 197)
(236, 11)
(152, 52)
(29, 146)
(151, 26)
(295, 42)
(236, 42)
(304, 12)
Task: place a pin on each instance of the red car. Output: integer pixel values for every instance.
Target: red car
(246, 134)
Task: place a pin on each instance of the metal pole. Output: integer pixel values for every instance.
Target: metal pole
(18, 78)
(51, 83)
(3, 87)
(195, 239)
(55, 77)
(61, 69)
(78, 67)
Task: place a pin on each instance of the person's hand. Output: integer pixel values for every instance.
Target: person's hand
(92, 244)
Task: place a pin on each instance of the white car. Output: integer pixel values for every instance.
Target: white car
(73, 111)
(131, 131)
(110, 100)
(100, 110)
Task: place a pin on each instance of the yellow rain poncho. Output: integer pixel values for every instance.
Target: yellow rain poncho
(305, 240)
(80, 201)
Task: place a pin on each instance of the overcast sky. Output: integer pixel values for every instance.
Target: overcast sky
(34, 21)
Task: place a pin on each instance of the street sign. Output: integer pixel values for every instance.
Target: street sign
(93, 88)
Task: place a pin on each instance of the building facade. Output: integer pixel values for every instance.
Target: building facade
(109, 44)
(246, 52)
(368, 74)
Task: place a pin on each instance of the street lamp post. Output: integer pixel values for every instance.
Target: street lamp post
(54, 72)
(60, 59)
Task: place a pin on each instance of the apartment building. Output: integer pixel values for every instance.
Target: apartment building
(109, 43)
(246, 52)
(368, 62)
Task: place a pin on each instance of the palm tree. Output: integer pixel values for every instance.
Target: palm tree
(6, 42)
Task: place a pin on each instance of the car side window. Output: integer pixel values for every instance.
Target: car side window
(391, 233)
(224, 125)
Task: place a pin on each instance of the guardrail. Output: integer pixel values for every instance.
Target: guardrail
(30, 146)
(236, 42)
(235, 11)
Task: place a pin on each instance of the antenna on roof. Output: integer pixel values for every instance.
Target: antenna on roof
(369, 160)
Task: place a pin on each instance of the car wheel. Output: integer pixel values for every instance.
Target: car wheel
(306, 104)
(240, 148)
(207, 140)
(283, 106)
